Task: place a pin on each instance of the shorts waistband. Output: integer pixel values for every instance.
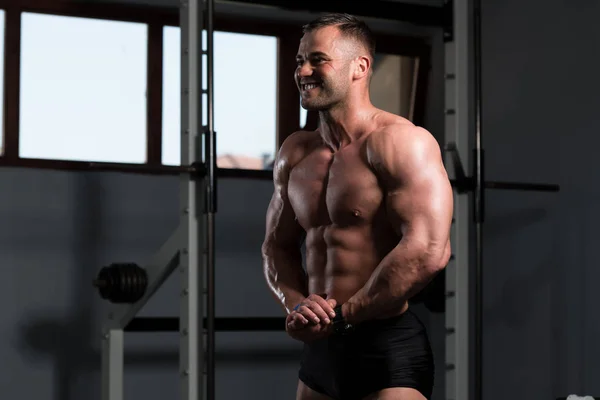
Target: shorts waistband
(386, 322)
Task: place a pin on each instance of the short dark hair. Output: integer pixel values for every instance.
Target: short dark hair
(349, 25)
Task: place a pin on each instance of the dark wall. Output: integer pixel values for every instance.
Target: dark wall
(540, 101)
(59, 228)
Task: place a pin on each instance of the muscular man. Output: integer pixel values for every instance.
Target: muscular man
(368, 194)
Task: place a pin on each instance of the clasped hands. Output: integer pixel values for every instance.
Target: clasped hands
(312, 319)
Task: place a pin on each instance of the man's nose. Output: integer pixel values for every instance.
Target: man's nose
(304, 70)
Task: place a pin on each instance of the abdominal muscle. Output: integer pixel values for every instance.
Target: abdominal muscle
(340, 261)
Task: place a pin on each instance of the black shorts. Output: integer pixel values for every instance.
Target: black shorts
(379, 354)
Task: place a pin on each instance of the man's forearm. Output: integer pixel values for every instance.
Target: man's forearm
(401, 274)
(285, 276)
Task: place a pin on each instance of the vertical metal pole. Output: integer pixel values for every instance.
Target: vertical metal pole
(192, 261)
(211, 200)
(112, 365)
(478, 209)
(458, 131)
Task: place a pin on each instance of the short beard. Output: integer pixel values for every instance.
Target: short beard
(325, 101)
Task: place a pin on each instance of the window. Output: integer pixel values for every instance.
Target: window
(171, 119)
(83, 89)
(392, 85)
(245, 96)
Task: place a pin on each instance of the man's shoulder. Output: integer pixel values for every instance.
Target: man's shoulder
(400, 135)
(296, 144)
(400, 147)
(294, 149)
(298, 138)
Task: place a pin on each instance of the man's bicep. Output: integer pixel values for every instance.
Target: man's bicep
(420, 198)
(422, 207)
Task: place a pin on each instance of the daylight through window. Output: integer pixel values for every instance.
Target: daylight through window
(83, 89)
(245, 96)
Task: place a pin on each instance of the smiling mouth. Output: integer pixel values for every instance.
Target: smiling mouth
(309, 86)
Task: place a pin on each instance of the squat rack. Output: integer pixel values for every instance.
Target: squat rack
(191, 248)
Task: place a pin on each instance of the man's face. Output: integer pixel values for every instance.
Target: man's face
(323, 68)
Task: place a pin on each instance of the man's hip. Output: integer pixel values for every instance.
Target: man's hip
(379, 354)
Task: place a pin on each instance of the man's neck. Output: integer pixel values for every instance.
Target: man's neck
(343, 125)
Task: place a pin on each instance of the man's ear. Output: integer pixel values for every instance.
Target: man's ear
(362, 67)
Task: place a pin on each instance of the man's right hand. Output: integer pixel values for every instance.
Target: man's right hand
(310, 332)
(311, 319)
(314, 309)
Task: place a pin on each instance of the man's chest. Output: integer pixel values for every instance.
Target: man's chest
(340, 189)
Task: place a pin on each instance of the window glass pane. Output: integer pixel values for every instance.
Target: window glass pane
(2, 25)
(171, 118)
(83, 89)
(391, 85)
(245, 83)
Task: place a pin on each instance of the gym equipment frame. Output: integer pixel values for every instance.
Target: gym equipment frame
(191, 247)
(458, 285)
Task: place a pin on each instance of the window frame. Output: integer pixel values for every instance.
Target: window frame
(156, 18)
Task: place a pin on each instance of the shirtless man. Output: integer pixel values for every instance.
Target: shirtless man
(368, 194)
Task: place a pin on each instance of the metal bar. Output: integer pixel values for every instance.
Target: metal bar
(112, 365)
(221, 324)
(414, 13)
(478, 202)
(153, 324)
(476, 182)
(154, 98)
(210, 149)
(210, 159)
(191, 348)
(469, 184)
(458, 137)
(12, 82)
(390, 10)
(522, 186)
(196, 169)
(229, 16)
(158, 269)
